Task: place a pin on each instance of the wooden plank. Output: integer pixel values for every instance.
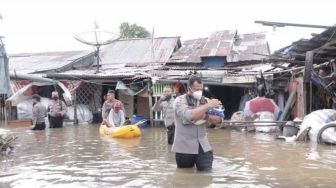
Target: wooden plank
(329, 48)
(303, 136)
(239, 79)
(24, 122)
(283, 24)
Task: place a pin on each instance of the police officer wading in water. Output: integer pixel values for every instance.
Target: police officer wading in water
(191, 143)
(165, 105)
(56, 111)
(39, 113)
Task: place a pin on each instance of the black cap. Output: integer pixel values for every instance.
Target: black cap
(261, 90)
(111, 91)
(37, 97)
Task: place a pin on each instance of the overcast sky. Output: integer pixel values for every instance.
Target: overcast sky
(50, 25)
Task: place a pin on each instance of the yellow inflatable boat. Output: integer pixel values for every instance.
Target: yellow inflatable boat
(126, 131)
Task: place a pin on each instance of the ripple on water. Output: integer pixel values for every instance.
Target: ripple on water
(78, 157)
(270, 168)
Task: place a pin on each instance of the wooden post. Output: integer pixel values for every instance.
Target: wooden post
(150, 102)
(6, 115)
(289, 103)
(307, 82)
(281, 99)
(10, 113)
(75, 108)
(310, 97)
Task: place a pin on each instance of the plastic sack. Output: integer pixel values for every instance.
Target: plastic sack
(83, 113)
(217, 111)
(137, 118)
(316, 120)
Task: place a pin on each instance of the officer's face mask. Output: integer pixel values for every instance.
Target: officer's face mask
(55, 98)
(197, 95)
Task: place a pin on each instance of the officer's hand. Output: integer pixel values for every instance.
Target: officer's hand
(162, 98)
(104, 122)
(214, 103)
(215, 119)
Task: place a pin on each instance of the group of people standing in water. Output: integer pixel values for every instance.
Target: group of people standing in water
(56, 112)
(185, 118)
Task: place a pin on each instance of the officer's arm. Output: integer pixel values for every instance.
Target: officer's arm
(103, 110)
(199, 112)
(157, 106)
(188, 114)
(35, 114)
(110, 119)
(64, 109)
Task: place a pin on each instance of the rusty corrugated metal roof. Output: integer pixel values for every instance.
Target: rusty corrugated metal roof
(112, 73)
(43, 61)
(233, 46)
(139, 52)
(322, 44)
(189, 52)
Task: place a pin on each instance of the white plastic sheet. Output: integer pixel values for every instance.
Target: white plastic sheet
(20, 96)
(24, 108)
(266, 127)
(83, 113)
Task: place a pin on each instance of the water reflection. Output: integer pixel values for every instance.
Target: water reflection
(76, 156)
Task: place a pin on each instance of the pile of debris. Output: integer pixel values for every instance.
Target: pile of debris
(6, 142)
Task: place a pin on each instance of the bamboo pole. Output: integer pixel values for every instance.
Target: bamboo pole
(75, 108)
(241, 122)
(150, 102)
(253, 125)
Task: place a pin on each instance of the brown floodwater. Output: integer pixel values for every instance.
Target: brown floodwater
(76, 156)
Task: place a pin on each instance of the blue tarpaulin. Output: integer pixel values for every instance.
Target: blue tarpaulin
(4, 74)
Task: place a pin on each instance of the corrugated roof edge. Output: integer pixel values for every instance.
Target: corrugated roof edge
(86, 53)
(125, 39)
(26, 54)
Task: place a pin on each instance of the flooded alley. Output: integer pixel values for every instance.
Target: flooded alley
(76, 156)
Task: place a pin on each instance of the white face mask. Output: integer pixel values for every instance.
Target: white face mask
(197, 95)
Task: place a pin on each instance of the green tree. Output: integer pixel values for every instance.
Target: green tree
(127, 30)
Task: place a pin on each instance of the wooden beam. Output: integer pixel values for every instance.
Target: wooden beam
(307, 44)
(306, 80)
(324, 52)
(150, 102)
(283, 24)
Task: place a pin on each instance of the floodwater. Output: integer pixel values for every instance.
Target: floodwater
(75, 156)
